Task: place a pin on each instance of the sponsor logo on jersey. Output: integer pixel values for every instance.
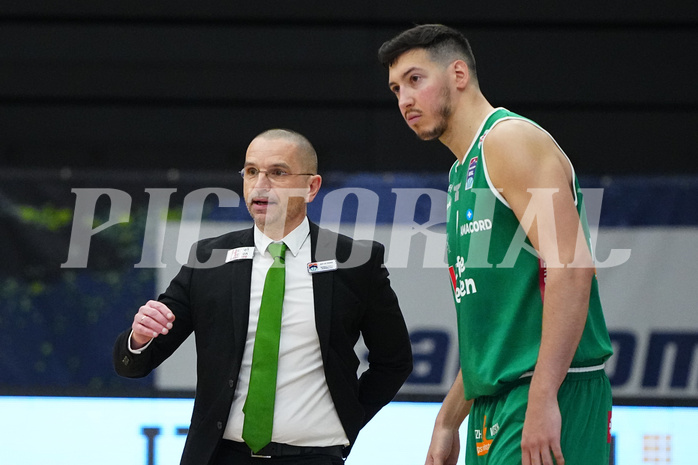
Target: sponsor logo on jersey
(461, 286)
(473, 226)
(483, 444)
(470, 178)
(482, 139)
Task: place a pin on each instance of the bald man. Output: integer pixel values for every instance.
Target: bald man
(320, 403)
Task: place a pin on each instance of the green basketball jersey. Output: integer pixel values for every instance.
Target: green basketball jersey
(499, 281)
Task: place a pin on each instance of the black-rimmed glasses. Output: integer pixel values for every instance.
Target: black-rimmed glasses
(250, 173)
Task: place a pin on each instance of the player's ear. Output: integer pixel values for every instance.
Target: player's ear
(313, 187)
(460, 73)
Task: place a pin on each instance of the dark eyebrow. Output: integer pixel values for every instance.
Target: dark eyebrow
(408, 71)
(281, 165)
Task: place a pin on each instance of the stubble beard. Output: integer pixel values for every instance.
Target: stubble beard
(444, 113)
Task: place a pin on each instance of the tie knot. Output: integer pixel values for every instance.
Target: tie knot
(277, 251)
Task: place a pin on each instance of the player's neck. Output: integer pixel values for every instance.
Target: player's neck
(466, 119)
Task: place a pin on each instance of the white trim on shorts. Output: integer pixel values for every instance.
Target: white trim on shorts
(571, 370)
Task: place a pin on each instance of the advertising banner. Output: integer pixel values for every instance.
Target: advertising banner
(152, 432)
(82, 251)
(650, 312)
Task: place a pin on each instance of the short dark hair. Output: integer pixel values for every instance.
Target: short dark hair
(443, 44)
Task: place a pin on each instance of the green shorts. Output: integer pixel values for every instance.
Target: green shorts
(495, 423)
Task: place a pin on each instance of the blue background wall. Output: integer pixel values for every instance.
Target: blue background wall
(135, 95)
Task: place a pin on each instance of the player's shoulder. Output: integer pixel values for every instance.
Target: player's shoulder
(514, 132)
(518, 141)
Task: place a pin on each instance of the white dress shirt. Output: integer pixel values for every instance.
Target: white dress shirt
(304, 414)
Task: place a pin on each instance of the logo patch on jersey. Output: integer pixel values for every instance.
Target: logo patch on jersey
(482, 139)
(470, 179)
(482, 443)
(461, 287)
(475, 226)
(452, 274)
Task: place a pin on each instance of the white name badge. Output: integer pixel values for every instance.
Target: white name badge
(320, 267)
(241, 253)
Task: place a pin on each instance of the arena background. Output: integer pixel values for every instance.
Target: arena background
(145, 99)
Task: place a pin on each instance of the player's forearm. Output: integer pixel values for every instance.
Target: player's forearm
(564, 316)
(455, 407)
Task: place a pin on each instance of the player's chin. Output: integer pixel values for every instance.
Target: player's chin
(427, 135)
(431, 133)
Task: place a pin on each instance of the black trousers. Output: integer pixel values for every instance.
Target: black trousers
(230, 456)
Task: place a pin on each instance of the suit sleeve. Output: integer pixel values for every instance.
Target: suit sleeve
(386, 337)
(176, 297)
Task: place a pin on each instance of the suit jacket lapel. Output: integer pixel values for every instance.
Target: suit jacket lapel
(240, 272)
(322, 286)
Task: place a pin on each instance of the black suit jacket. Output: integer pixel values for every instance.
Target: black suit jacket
(213, 302)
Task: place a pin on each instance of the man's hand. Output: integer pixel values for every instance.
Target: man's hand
(444, 447)
(445, 441)
(540, 440)
(153, 318)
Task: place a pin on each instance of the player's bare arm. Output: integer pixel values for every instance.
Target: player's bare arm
(536, 180)
(445, 440)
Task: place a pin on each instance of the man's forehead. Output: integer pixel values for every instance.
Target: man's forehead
(271, 151)
(411, 59)
(272, 143)
(269, 158)
(263, 145)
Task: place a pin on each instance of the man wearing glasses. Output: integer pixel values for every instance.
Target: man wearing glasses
(280, 388)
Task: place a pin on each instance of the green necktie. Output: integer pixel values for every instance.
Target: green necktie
(259, 406)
